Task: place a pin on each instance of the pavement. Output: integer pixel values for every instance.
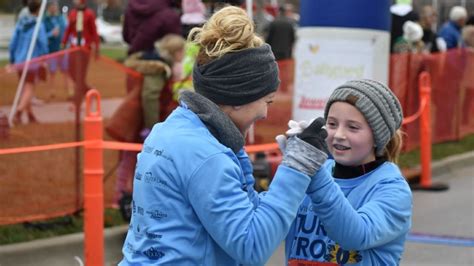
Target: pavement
(442, 231)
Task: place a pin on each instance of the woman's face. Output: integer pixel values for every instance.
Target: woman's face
(350, 139)
(245, 115)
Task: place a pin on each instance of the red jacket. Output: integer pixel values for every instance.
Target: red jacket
(89, 31)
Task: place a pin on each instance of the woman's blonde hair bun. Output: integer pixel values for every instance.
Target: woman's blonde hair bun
(228, 30)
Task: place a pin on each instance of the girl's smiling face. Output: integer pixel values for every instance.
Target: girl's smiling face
(350, 139)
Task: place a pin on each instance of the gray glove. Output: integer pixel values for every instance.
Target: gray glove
(307, 151)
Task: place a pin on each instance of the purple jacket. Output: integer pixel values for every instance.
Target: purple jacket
(147, 21)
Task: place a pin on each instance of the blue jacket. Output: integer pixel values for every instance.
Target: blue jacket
(22, 37)
(451, 33)
(359, 221)
(194, 202)
(52, 22)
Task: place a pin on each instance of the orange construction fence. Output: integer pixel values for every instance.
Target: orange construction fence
(49, 183)
(452, 90)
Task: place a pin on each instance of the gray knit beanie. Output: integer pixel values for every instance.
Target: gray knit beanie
(238, 78)
(376, 102)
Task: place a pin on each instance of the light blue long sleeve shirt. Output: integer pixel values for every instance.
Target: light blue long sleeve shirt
(194, 202)
(359, 221)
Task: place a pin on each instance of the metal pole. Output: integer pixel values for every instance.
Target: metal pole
(26, 65)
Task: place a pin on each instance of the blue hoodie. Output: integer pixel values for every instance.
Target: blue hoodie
(451, 33)
(51, 23)
(194, 202)
(358, 221)
(22, 37)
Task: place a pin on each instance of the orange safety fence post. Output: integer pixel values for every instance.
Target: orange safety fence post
(424, 84)
(93, 183)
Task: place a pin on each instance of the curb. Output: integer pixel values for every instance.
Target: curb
(446, 165)
(68, 249)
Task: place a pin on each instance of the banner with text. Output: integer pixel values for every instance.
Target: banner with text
(326, 58)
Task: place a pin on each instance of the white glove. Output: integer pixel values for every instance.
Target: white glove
(295, 129)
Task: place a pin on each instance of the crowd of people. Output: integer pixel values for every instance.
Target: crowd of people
(415, 31)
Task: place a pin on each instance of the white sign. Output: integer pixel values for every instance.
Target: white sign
(325, 59)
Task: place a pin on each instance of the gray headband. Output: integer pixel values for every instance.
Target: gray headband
(238, 78)
(378, 105)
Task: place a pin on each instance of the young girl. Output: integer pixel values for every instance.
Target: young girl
(358, 207)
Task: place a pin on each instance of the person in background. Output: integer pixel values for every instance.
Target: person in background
(291, 14)
(358, 207)
(147, 21)
(193, 196)
(281, 35)
(23, 11)
(194, 15)
(401, 12)
(433, 43)
(85, 35)
(158, 69)
(88, 36)
(112, 12)
(262, 19)
(55, 25)
(451, 30)
(411, 40)
(18, 50)
(468, 37)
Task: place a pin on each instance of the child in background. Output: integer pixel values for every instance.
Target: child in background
(358, 206)
(159, 68)
(412, 39)
(185, 80)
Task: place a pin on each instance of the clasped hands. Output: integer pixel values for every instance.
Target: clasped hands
(312, 132)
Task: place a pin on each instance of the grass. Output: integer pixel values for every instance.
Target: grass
(438, 151)
(118, 53)
(55, 227)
